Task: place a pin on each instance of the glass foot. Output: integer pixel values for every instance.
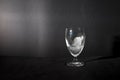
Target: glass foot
(75, 64)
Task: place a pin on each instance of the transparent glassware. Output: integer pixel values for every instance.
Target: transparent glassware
(75, 40)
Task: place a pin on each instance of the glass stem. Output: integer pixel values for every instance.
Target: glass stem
(75, 59)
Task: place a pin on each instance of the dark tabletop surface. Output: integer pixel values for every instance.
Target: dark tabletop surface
(32, 68)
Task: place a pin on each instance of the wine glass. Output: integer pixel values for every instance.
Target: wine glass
(75, 40)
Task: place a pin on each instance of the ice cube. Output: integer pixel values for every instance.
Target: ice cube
(77, 41)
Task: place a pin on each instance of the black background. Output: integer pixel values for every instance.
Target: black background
(36, 27)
